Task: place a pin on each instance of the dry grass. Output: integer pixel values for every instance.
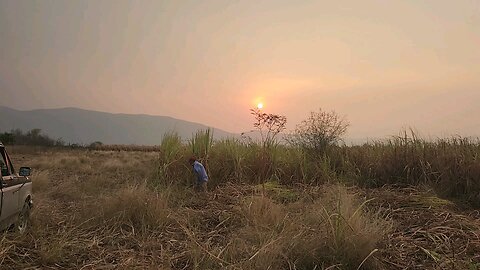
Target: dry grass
(331, 231)
(97, 210)
(134, 207)
(429, 233)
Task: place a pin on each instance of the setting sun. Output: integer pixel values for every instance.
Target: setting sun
(260, 105)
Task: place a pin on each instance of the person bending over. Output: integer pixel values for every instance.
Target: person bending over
(201, 177)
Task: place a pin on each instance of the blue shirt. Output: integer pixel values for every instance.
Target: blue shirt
(200, 172)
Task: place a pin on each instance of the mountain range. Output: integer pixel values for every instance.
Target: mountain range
(75, 125)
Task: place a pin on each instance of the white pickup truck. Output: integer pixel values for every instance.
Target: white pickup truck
(16, 194)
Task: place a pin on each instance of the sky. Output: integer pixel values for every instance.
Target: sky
(383, 65)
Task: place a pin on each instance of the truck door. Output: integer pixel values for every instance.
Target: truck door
(10, 184)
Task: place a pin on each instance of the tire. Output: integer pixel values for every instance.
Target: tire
(23, 219)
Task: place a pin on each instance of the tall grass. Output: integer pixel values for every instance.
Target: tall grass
(171, 161)
(451, 165)
(228, 160)
(201, 143)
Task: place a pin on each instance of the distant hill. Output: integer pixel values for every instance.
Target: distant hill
(75, 125)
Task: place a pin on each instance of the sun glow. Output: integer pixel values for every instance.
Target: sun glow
(260, 105)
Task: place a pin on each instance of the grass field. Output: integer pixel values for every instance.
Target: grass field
(369, 207)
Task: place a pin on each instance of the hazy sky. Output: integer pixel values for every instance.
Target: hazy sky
(383, 64)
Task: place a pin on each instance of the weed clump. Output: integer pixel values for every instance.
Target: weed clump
(135, 207)
(335, 229)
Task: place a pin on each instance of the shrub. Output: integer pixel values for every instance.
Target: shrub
(320, 130)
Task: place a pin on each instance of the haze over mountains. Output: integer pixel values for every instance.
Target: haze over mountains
(75, 125)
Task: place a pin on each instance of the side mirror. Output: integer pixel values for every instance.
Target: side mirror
(25, 171)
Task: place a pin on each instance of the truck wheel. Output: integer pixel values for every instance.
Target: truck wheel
(23, 218)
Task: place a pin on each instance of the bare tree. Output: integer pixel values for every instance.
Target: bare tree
(319, 130)
(269, 125)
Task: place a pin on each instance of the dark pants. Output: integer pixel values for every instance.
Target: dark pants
(201, 186)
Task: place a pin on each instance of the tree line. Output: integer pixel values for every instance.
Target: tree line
(31, 137)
